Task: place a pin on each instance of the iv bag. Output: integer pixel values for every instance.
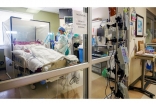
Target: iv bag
(93, 41)
(52, 36)
(69, 36)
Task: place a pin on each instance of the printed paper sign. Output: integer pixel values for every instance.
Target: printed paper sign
(79, 22)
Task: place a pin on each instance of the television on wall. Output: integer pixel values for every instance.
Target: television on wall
(65, 12)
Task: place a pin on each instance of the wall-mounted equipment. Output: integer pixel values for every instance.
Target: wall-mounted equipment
(68, 19)
(100, 31)
(65, 12)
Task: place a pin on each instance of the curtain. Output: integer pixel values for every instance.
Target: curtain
(5, 15)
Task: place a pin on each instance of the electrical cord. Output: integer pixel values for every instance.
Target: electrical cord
(72, 88)
(47, 87)
(73, 80)
(108, 80)
(106, 89)
(110, 72)
(57, 90)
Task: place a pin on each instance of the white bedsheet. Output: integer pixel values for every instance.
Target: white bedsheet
(31, 62)
(45, 55)
(41, 55)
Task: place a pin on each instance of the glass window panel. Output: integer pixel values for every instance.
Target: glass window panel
(38, 45)
(68, 86)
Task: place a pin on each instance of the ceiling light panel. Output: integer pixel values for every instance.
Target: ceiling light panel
(33, 9)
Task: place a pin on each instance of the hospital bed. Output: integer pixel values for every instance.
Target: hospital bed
(20, 61)
(20, 32)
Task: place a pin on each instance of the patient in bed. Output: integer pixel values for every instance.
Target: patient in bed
(27, 50)
(38, 55)
(32, 63)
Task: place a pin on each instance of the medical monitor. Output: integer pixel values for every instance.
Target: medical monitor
(68, 19)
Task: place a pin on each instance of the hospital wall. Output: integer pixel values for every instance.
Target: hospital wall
(53, 18)
(135, 64)
(101, 12)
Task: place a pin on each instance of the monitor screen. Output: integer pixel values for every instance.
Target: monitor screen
(100, 32)
(68, 19)
(64, 12)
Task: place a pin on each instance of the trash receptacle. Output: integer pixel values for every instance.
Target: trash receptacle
(81, 55)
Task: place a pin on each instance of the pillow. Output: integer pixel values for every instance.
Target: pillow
(27, 46)
(18, 52)
(18, 47)
(26, 43)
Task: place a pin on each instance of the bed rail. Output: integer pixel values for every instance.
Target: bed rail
(20, 61)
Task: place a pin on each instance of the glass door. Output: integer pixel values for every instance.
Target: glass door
(67, 77)
(150, 26)
(102, 51)
(154, 29)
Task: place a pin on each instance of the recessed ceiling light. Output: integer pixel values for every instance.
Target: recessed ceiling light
(33, 10)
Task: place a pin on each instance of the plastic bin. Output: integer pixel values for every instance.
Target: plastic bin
(81, 55)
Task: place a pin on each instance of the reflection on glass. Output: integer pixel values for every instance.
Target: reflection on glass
(31, 47)
(149, 26)
(102, 47)
(101, 34)
(69, 86)
(154, 29)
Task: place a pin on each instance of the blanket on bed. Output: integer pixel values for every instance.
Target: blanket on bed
(41, 55)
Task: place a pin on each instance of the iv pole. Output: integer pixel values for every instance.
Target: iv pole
(120, 89)
(116, 66)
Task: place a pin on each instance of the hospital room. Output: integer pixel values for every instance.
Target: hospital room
(41, 42)
(36, 41)
(32, 44)
(70, 52)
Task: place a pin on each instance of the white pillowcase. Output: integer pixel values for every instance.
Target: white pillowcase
(18, 52)
(30, 45)
(18, 47)
(27, 46)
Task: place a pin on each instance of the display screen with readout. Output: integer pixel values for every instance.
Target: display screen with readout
(68, 19)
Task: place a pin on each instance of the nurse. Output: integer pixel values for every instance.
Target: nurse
(62, 44)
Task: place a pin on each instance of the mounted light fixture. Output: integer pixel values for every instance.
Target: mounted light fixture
(33, 9)
(11, 32)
